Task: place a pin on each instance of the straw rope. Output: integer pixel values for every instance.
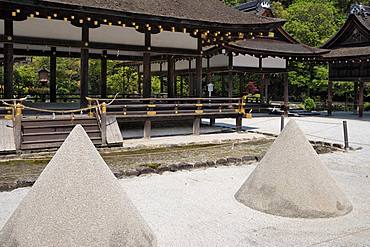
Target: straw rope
(61, 111)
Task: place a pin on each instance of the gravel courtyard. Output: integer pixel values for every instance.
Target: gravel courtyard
(197, 208)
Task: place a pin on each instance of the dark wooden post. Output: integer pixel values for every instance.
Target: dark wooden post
(230, 76)
(175, 92)
(330, 98)
(84, 70)
(239, 123)
(196, 125)
(181, 86)
(138, 80)
(355, 98)
(18, 127)
(241, 85)
(53, 74)
(199, 70)
(161, 77)
(147, 80)
(104, 123)
(191, 81)
(170, 77)
(223, 88)
(286, 94)
(147, 128)
(103, 75)
(8, 59)
(361, 99)
(208, 71)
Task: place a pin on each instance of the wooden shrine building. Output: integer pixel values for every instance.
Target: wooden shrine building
(126, 30)
(349, 56)
(265, 52)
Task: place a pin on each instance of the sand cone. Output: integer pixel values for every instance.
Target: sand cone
(291, 181)
(76, 201)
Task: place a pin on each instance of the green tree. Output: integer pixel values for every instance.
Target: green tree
(313, 22)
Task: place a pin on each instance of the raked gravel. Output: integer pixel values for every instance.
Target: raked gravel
(197, 208)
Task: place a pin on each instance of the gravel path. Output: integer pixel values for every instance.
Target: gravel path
(197, 208)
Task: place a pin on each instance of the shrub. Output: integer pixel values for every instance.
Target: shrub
(309, 104)
(367, 106)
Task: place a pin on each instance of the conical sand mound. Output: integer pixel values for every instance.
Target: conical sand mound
(291, 181)
(76, 201)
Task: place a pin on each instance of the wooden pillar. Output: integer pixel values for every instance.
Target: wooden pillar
(223, 86)
(175, 92)
(361, 89)
(239, 123)
(199, 70)
(147, 79)
(196, 126)
(103, 75)
(103, 124)
(286, 94)
(208, 71)
(8, 59)
(147, 128)
(84, 67)
(138, 80)
(355, 98)
(230, 77)
(53, 74)
(171, 77)
(18, 127)
(181, 86)
(241, 84)
(191, 81)
(161, 77)
(330, 98)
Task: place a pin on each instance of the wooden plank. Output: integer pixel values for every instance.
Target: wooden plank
(7, 142)
(114, 135)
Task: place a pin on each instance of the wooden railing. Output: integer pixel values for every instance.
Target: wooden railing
(149, 109)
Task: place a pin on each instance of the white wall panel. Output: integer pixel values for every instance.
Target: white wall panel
(270, 62)
(246, 61)
(44, 28)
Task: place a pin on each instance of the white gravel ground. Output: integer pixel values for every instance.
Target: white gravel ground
(198, 208)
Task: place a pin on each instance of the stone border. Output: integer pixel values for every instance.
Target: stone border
(323, 143)
(134, 172)
(144, 170)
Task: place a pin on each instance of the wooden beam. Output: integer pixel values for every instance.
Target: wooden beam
(147, 78)
(8, 59)
(53, 75)
(99, 45)
(103, 75)
(361, 90)
(84, 70)
(286, 93)
(330, 98)
(230, 76)
(199, 70)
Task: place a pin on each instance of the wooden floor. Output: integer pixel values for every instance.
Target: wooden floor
(7, 143)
